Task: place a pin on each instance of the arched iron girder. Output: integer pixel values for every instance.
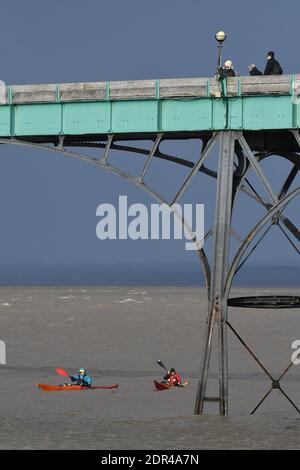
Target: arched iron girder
(140, 184)
(263, 221)
(292, 156)
(173, 159)
(158, 154)
(241, 167)
(242, 162)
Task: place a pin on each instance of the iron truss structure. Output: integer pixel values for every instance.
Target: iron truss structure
(240, 152)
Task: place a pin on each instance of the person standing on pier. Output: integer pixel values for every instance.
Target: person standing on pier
(273, 67)
(228, 68)
(226, 71)
(253, 70)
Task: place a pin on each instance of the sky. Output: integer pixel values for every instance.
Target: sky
(48, 202)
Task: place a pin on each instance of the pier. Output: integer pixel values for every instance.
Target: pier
(248, 118)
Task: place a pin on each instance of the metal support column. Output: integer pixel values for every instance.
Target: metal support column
(218, 304)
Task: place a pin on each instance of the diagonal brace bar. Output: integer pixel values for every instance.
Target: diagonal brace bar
(255, 165)
(149, 159)
(289, 239)
(196, 168)
(107, 149)
(275, 382)
(287, 184)
(289, 225)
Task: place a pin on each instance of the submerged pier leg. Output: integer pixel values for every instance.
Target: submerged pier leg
(217, 310)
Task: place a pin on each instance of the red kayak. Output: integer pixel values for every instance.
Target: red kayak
(162, 386)
(59, 388)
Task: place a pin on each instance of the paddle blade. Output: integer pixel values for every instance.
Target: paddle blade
(60, 371)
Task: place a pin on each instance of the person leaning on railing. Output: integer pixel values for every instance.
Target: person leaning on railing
(253, 70)
(226, 71)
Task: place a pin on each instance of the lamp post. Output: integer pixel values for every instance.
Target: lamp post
(220, 38)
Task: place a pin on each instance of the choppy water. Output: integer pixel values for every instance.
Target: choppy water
(118, 334)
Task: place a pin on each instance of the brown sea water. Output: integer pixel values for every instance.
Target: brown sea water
(118, 333)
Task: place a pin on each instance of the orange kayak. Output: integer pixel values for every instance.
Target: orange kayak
(162, 386)
(60, 388)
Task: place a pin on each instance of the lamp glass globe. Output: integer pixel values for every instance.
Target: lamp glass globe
(220, 36)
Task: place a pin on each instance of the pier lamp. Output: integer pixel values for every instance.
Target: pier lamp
(220, 38)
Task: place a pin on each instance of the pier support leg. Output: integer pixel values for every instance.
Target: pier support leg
(217, 313)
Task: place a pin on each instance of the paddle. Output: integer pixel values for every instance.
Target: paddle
(161, 364)
(60, 371)
(63, 372)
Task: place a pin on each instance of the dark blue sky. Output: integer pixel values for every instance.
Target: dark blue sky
(48, 202)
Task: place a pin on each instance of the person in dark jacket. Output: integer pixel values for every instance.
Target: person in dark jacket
(226, 71)
(253, 70)
(273, 67)
(228, 67)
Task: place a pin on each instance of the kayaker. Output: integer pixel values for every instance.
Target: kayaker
(82, 378)
(173, 378)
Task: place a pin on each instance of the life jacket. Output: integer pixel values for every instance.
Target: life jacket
(83, 380)
(174, 379)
